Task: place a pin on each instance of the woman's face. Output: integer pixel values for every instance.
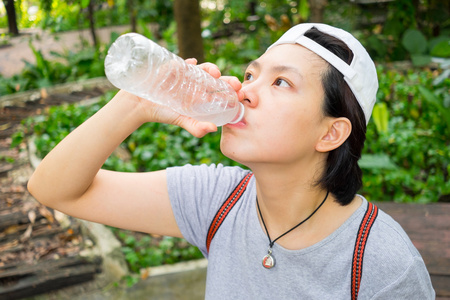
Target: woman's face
(283, 118)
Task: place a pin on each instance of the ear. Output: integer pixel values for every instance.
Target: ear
(338, 130)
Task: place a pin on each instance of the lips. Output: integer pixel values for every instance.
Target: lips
(242, 123)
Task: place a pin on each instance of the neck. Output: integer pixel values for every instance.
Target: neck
(286, 197)
(288, 193)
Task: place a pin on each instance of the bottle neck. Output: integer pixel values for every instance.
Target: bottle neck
(239, 115)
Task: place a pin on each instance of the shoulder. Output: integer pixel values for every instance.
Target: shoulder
(196, 193)
(204, 171)
(391, 260)
(210, 177)
(387, 234)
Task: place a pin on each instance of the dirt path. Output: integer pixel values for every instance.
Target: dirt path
(11, 56)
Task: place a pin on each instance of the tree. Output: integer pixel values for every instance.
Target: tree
(88, 5)
(133, 15)
(11, 13)
(317, 8)
(189, 31)
(90, 8)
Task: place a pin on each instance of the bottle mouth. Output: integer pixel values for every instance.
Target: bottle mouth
(240, 115)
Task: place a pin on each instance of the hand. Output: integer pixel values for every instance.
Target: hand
(214, 71)
(152, 112)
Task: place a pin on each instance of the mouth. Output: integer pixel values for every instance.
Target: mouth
(242, 123)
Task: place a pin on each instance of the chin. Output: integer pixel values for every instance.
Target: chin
(234, 153)
(238, 149)
(241, 156)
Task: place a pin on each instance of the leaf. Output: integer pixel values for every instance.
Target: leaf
(374, 42)
(12, 229)
(303, 8)
(414, 41)
(32, 216)
(8, 245)
(144, 273)
(434, 100)
(27, 234)
(145, 31)
(85, 3)
(441, 49)
(44, 93)
(380, 117)
(376, 161)
(47, 214)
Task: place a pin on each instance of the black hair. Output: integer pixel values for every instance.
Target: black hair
(342, 175)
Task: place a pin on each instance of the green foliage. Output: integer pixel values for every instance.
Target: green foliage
(380, 117)
(143, 250)
(414, 150)
(414, 41)
(64, 67)
(153, 146)
(421, 50)
(440, 46)
(434, 100)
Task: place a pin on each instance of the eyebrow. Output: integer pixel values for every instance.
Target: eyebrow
(279, 68)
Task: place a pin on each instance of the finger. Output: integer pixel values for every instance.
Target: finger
(211, 68)
(195, 127)
(233, 81)
(191, 61)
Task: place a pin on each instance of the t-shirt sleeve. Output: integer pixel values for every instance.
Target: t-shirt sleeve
(196, 193)
(414, 283)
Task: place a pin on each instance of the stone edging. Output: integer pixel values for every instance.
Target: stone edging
(19, 99)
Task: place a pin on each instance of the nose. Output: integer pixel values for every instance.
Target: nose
(250, 91)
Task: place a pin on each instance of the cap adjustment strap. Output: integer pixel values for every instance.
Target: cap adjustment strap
(331, 58)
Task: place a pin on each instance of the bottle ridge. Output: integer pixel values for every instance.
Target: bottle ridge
(138, 65)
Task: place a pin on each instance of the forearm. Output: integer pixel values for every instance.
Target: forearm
(69, 169)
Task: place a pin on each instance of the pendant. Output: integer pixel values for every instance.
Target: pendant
(268, 261)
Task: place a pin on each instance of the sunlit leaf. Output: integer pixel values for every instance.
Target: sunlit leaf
(85, 3)
(380, 116)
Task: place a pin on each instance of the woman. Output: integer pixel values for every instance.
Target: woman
(292, 230)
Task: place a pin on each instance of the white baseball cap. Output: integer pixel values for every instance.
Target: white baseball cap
(360, 75)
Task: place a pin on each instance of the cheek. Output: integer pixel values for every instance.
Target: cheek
(297, 132)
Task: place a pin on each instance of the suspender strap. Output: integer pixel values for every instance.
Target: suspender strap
(226, 208)
(360, 245)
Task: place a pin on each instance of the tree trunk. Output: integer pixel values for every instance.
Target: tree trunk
(252, 5)
(317, 7)
(11, 13)
(133, 15)
(92, 22)
(189, 31)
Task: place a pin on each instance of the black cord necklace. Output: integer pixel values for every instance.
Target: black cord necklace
(268, 260)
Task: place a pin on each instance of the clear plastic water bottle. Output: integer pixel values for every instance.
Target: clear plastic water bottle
(138, 65)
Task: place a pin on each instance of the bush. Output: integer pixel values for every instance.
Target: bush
(70, 66)
(414, 139)
(143, 250)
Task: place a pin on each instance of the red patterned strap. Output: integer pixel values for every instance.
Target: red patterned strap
(360, 245)
(226, 208)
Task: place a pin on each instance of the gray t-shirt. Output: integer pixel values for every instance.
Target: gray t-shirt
(392, 266)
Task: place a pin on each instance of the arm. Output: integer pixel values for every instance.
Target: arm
(70, 180)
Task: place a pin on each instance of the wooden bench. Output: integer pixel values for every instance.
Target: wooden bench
(428, 226)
